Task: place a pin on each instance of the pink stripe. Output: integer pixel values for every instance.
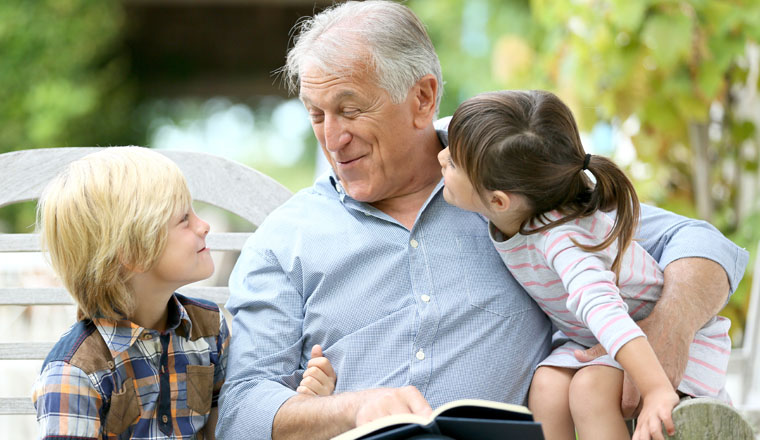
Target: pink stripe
(593, 225)
(599, 309)
(645, 290)
(570, 266)
(553, 298)
(565, 236)
(529, 247)
(706, 365)
(524, 265)
(623, 336)
(630, 267)
(718, 336)
(588, 286)
(609, 323)
(547, 284)
(639, 307)
(714, 347)
(577, 222)
(695, 381)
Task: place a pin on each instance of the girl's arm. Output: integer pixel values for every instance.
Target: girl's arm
(640, 362)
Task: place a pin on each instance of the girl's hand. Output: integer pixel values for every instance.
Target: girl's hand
(657, 410)
(319, 378)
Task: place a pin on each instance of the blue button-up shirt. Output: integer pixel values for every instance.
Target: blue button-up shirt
(432, 307)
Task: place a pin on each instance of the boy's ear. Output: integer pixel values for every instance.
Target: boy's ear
(134, 268)
(499, 201)
(425, 95)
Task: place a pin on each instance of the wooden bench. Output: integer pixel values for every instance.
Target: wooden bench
(252, 195)
(212, 179)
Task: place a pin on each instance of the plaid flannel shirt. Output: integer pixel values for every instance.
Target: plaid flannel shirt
(117, 380)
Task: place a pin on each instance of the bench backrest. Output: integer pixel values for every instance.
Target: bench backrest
(214, 180)
(744, 364)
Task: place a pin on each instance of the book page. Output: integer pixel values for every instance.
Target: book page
(403, 419)
(481, 403)
(396, 419)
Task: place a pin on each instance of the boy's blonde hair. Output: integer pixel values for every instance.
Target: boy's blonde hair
(106, 215)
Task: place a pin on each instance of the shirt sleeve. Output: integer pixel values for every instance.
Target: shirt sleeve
(67, 404)
(593, 297)
(265, 350)
(220, 366)
(669, 237)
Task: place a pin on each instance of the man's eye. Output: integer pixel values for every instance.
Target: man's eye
(350, 112)
(316, 117)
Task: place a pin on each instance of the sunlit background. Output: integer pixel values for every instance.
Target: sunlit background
(669, 89)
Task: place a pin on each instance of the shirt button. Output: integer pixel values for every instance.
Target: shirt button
(425, 298)
(164, 418)
(110, 364)
(414, 243)
(420, 354)
(147, 336)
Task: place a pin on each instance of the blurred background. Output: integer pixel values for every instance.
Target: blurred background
(669, 89)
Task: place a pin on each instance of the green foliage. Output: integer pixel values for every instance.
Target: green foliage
(59, 71)
(64, 80)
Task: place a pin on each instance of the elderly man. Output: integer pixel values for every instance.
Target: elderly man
(405, 293)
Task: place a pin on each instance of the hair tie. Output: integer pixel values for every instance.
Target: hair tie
(586, 161)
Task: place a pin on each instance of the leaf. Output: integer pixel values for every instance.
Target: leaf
(669, 38)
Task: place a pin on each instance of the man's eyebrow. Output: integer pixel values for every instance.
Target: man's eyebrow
(343, 94)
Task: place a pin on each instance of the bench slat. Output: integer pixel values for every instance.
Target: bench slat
(225, 241)
(14, 351)
(27, 296)
(16, 406)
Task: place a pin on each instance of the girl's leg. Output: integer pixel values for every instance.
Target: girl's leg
(548, 400)
(595, 394)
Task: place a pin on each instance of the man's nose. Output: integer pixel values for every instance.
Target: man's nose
(336, 136)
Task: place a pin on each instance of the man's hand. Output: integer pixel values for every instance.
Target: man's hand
(695, 290)
(387, 401)
(319, 378)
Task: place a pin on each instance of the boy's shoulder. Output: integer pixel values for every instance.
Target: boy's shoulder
(81, 346)
(203, 314)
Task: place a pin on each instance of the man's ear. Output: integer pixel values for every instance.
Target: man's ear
(425, 95)
(499, 201)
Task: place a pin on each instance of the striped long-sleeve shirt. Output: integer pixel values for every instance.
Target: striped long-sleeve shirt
(588, 303)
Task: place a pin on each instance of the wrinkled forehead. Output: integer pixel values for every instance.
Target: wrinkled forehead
(318, 86)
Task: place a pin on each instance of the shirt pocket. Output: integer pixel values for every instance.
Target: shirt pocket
(124, 409)
(488, 283)
(200, 387)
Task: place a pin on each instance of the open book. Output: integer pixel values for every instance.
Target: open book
(461, 420)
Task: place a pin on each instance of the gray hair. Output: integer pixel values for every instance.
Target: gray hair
(383, 35)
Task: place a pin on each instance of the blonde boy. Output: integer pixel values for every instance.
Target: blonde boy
(142, 361)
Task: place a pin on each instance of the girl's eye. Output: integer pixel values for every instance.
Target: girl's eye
(185, 218)
(451, 162)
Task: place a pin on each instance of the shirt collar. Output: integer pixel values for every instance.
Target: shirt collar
(122, 334)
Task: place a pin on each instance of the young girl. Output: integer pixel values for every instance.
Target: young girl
(516, 158)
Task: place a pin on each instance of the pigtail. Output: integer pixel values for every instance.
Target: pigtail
(613, 190)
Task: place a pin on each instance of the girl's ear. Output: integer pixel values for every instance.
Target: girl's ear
(499, 201)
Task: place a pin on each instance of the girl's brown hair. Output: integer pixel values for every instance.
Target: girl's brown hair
(527, 142)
